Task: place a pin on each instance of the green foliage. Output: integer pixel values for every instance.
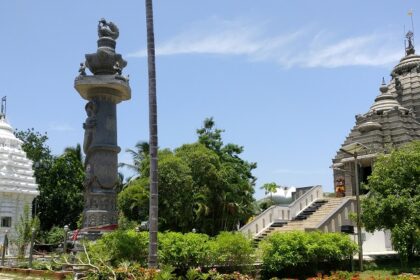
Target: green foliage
(281, 251)
(139, 154)
(394, 199)
(180, 251)
(203, 185)
(120, 245)
(233, 249)
(34, 145)
(55, 235)
(24, 228)
(184, 250)
(175, 191)
(269, 188)
(133, 201)
(61, 198)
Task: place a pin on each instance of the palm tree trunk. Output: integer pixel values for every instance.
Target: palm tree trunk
(153, 140)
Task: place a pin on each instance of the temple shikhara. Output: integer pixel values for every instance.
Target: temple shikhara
(17, 183)
(392, 120)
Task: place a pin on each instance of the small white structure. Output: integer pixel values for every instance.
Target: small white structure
(17, 183)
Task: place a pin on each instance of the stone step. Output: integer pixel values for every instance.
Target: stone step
(312, 220)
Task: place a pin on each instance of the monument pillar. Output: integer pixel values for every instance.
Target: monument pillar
(103, 90)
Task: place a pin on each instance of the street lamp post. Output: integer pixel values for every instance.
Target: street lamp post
(66, 230)
(31, 248)
(353, 149)
(5, 244)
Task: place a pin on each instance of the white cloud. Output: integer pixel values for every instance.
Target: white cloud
(301, 48)
(61, 127)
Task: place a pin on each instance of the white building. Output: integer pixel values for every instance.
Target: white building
(17, 183)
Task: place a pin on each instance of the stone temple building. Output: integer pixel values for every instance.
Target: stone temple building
(392, 120)
(17, 183)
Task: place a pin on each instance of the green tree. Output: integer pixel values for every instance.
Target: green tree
(61, 198)
(231, 197)
(394, 199)
(204, 185)
(77, 151)
(133, 201)
(270, 188)
(35, 146)
(138, 154)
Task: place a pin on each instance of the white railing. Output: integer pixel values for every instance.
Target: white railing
(265, 219)
(278, 213)
(338, 217)
(305, 200)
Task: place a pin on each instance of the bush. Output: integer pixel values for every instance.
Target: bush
(183, 251)
(303, 253)
(233, 250)
(120, 245)
(55, 235)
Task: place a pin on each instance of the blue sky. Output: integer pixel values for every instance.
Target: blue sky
(283, 78)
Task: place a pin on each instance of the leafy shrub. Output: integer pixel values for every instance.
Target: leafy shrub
(184, 250)
(232, 249)
(301, 252)
(55, 235)
(120, 245)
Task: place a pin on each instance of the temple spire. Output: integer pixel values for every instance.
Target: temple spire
(410, 37)
(3, 108)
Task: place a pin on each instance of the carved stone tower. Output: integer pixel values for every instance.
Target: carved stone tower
(392, 121)
(103, 90)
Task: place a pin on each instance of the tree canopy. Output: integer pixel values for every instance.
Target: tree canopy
(394, 199)
(204, 186)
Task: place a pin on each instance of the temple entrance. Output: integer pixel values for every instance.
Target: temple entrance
(365, 172)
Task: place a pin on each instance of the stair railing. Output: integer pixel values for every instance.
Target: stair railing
(305, 200)
(274, 213)
(337, 217)
(278, 213)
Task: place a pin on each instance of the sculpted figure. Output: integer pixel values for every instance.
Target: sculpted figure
(410, 48)
(117, 68)
(89, 126)
(82, 69)
(398, 85)
(107, 29)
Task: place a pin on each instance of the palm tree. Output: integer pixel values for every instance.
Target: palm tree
(153, 132)
(270, 188)
(140, 153)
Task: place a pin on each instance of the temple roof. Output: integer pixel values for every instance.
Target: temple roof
(385, 101)
(16, 174)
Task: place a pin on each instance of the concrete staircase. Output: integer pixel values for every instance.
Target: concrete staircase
(270, 229)
(313, 220)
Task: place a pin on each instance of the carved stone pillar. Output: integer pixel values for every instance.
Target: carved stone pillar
(103, 90)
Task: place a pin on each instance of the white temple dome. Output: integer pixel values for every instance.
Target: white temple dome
(283, 195)
(16, 174)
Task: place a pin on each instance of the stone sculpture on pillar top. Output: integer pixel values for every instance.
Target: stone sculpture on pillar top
(103, 90)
